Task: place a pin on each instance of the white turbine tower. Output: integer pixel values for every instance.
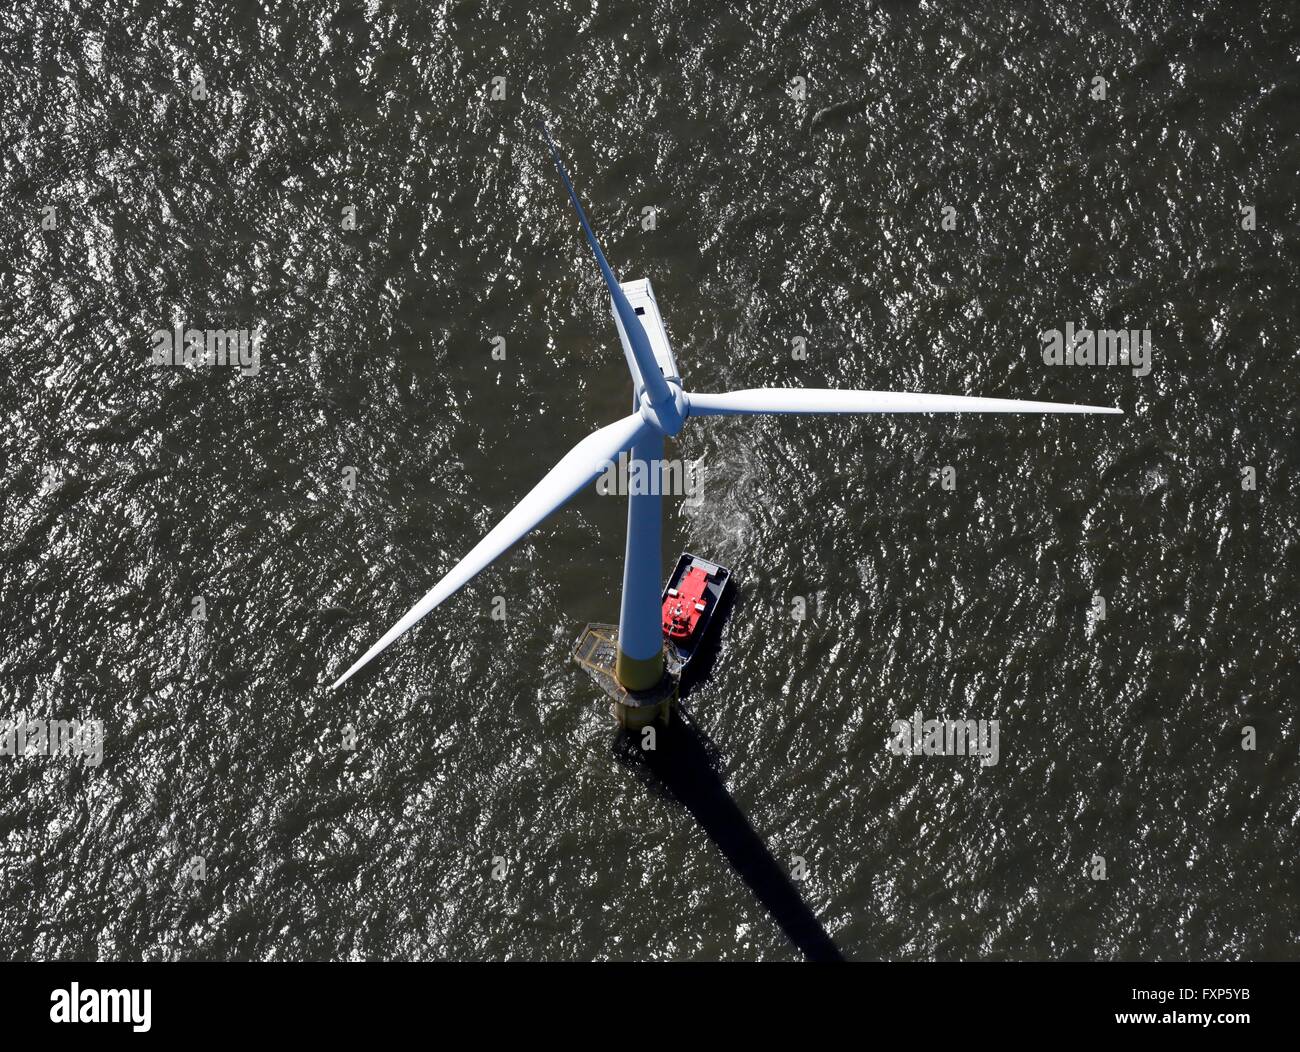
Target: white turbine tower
(662, 407)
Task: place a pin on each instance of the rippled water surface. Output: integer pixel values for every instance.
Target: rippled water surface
(130, 489)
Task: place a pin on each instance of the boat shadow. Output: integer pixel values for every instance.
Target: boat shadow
(685, 768)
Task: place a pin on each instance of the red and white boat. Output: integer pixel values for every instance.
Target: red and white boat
(692, 601)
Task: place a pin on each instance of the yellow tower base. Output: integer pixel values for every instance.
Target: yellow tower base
(656, 689)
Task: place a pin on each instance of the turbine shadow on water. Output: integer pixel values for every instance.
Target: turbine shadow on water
(686, 769)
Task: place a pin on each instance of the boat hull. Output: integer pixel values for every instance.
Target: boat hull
(720, 582)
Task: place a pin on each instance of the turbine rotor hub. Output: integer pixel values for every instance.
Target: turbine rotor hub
(669, 417)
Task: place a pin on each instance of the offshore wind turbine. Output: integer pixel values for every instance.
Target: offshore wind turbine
(662, 406)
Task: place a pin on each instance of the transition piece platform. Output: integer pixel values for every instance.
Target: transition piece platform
(597, 651)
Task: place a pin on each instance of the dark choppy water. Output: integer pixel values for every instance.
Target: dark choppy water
(129, 490)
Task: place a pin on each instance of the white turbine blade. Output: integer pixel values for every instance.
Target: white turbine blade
(579, 466)
(655, 384)
(821, 400)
